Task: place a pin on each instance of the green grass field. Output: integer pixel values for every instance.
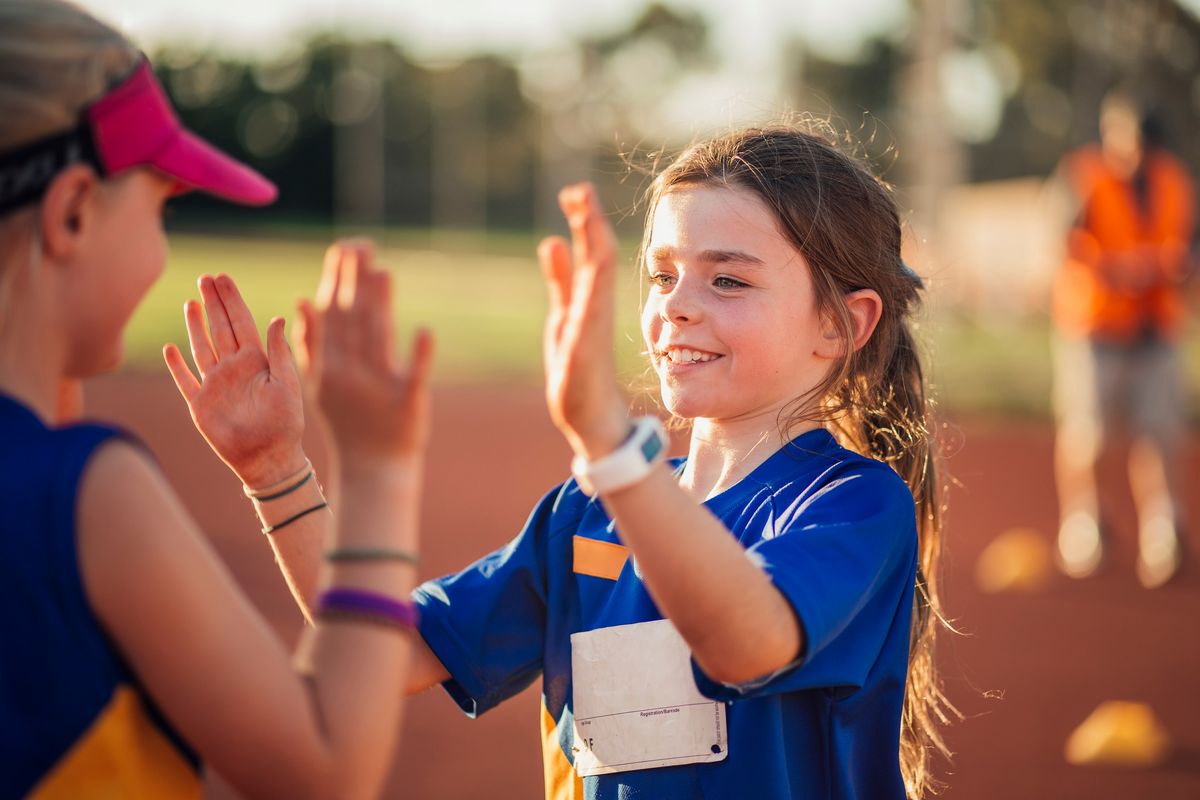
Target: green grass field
(487, 308)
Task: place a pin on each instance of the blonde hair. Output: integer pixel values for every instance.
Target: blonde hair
(55, 59)
(836, 212)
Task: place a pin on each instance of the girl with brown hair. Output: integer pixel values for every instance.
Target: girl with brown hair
(757, 619)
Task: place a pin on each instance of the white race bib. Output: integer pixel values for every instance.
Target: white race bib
(636, 704)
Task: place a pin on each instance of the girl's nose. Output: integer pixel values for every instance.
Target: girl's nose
(680, 306)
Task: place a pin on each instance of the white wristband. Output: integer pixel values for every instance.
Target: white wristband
(644, 447)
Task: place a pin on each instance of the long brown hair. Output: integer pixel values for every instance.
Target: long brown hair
(843, 219)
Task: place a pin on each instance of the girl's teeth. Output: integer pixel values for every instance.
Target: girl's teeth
(684, 356)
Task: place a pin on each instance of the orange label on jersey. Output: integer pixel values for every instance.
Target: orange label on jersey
(599, 559)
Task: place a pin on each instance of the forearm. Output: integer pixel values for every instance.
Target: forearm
(299, 550)
(360, 672)
(737, 624)
(300, 543)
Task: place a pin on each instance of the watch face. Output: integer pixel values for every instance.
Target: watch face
(652, 447)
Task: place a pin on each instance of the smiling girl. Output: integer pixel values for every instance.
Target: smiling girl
(757, 619)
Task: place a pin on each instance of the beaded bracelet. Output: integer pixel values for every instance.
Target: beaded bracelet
(358, 605)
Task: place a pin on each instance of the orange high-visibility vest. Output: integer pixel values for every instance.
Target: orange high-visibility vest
(1112, 221)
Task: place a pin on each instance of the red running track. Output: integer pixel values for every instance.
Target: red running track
(1026, 671)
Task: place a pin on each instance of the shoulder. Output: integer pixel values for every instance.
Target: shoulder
(116, 468)
(1168, 164)
(826, 466)
(845, 488)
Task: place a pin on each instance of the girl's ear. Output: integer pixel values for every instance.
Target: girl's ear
(864, 308)
(67, 211)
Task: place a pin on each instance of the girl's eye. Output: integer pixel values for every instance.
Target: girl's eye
(662, 278)
(726, 282)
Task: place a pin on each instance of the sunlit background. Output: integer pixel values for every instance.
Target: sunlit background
(449, 127)
(444, 130)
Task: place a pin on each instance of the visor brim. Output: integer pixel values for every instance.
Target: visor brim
(197, 165)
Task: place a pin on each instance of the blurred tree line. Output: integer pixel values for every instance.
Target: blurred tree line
(358, 131)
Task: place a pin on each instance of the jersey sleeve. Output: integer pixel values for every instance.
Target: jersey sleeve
(844, 558)
(486, 624)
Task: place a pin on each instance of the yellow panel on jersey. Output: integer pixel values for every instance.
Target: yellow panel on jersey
(123, 754)
(599, 559)
(561, 781)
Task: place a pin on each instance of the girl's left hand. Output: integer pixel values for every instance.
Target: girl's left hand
(581, 387)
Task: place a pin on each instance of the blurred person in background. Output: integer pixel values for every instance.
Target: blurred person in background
(1118, 311)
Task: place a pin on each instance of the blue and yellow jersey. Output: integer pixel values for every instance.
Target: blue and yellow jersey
(74, 721)
(835, 531)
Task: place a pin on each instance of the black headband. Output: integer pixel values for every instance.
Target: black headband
(26, 173)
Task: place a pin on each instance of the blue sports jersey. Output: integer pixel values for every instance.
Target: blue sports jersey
(835, 531)
(74, 721)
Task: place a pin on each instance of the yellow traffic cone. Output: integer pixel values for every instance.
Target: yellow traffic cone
(1016, 560)
(1121, 733)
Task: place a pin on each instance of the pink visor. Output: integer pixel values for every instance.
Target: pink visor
(133, 125)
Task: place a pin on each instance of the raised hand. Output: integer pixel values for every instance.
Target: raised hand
(377, 409)
(247, 401)
(581, 387)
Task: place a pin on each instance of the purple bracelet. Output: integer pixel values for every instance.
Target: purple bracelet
(368, 606)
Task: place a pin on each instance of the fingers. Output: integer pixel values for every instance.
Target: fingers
(306, 338)
(279, 355)
(220, 330)
(421, 358)
(202, 349)
(592, 237)
(331, 275)
(356, 274)
(344, 260)
(241, 321)
(185, 381)
(555, 259)
(594, 248)
(379, 307)
(591, 304)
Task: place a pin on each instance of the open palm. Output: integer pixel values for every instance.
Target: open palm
(581, 388)
(247, 402)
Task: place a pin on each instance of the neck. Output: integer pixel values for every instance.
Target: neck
(32, 349)
(722, 452)
(30, 374)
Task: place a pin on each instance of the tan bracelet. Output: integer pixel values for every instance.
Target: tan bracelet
(283, 487)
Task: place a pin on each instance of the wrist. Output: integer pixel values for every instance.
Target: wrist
(600, 439)
(398, 472)
(643, 447)
(272, 472)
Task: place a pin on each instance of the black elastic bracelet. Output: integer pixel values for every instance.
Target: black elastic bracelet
(284, 492)
(343, 554)
(294, 517)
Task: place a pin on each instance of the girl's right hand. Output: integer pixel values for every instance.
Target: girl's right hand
(244, 399)
(377, 409)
